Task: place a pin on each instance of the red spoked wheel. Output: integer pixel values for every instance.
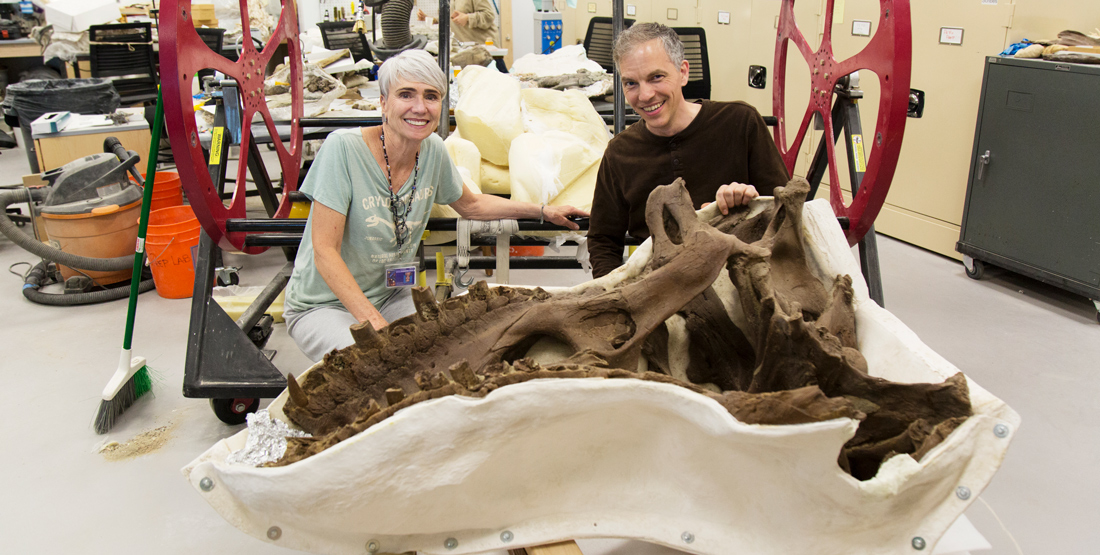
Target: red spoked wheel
(182, 54)
(890, 55)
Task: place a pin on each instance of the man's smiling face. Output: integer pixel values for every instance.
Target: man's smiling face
(653, 87)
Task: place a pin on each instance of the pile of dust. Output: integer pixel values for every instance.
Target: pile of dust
(141, 444)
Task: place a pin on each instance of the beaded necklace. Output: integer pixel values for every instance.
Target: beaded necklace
(399, 208)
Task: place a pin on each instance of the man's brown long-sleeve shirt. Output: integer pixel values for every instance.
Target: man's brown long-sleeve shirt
(726, 142)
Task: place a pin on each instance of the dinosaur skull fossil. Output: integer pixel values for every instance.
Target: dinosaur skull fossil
(739, 374)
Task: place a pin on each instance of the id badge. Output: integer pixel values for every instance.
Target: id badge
(402, 274)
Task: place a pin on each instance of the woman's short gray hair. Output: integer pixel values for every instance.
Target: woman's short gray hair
(642, 33)
(411, 65)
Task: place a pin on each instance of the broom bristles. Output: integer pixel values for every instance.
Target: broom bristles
(139, 384)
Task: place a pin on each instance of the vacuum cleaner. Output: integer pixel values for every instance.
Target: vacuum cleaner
(90, 211)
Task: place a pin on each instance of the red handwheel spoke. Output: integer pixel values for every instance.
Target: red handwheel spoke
(183, 54)
(889, 55)
(836, 196)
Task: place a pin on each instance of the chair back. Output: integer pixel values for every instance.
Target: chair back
(214, 38)
(598, 41)
(695, 52)
(123, 53)
(338, 35)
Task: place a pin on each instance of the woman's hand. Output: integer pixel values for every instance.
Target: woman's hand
(460, 19)
(560, 215)
(420, 15)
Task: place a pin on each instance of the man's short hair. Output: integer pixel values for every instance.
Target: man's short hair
(642, 33)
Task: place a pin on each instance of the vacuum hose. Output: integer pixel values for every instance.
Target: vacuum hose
(38, 248)
(395, 23)
(37, 277)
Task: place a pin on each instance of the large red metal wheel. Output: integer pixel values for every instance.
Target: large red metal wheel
(889, 54)
(182, 54)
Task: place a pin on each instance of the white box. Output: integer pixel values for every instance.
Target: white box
(51, 122)
(75, 16)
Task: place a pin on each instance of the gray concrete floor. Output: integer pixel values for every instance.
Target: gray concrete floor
(1034, 346)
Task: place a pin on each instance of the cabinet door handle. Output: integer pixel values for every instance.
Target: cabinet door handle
(983, 161)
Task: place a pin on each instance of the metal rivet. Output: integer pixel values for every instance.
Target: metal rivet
(688, 537)
(878, 139)
(274, 533)
(962, 492)
(450, 543)
(206, 484)
(1000, 430)
(372, 546)
(506, 536)
(919, 543)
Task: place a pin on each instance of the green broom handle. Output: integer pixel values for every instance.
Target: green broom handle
(143, 222)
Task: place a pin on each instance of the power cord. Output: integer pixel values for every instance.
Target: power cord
(22, 276)
(1003, 527)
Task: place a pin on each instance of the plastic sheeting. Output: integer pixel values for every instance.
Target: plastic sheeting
(31, 99)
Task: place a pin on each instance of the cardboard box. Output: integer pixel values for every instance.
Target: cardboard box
(202, 11)
(75, 16)
(34, 180)
(51, 122)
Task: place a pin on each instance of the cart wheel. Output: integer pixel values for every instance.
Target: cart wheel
(184, 55)
(234, 411)
(977, 272)
(889, 54)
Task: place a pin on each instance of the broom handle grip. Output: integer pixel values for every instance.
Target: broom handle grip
(143, 221)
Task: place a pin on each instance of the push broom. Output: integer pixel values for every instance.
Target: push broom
(131, 380)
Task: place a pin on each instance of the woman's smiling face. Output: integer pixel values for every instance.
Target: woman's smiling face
(412, 109)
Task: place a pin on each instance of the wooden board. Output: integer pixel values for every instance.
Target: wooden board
(562, 548)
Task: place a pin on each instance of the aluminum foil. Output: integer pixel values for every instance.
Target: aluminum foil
(266, 440)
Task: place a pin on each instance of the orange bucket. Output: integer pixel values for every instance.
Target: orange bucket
(170, 245)
(171, 220)
(166, 191)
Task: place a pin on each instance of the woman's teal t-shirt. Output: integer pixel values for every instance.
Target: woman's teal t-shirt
(346, 178)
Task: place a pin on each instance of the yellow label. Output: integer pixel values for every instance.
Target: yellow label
(857, 148)
(216, 146)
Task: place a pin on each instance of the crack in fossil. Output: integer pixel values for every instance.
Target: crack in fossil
(795, 361)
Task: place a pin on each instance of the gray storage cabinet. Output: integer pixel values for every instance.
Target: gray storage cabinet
(1033, 196)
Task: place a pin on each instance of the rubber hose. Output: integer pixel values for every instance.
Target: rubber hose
(395, 23)
(38, 274)
(38, 248)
